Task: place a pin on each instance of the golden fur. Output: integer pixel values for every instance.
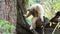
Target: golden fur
(38, 12)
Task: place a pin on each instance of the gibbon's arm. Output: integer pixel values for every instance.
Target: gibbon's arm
(27, 14)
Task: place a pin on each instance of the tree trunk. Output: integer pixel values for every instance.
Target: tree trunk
(22, 27)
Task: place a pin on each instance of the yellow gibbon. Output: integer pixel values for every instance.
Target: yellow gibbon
(37, 11)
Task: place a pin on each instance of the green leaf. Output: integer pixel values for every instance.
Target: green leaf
(13, 27)
(57, 4)
(7, 26)
(5, 33)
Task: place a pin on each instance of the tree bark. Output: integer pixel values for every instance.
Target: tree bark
(22, 27)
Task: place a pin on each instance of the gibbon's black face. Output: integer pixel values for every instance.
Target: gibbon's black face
(33, 12)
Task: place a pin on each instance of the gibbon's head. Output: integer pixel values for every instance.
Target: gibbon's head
(36, 8)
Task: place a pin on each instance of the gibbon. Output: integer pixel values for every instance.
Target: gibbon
(55, 18)
(37, 11)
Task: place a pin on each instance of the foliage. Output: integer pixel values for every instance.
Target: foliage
(6, 26)
(29, 20)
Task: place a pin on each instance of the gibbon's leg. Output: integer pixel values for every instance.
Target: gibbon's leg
(33, 26)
